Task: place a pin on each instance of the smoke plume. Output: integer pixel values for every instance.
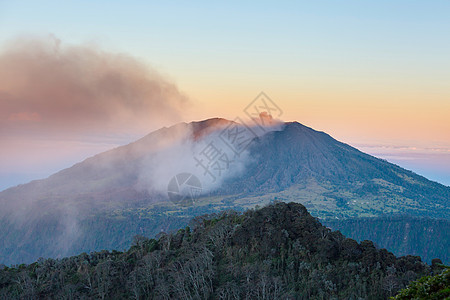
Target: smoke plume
(48, 87)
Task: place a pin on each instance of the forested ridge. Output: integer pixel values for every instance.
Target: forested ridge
(277, 252)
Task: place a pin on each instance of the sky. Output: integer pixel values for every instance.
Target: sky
(81, 77)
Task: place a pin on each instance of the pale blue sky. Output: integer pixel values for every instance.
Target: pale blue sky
(325, 32)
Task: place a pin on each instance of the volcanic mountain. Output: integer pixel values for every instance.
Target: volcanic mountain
(106, 199)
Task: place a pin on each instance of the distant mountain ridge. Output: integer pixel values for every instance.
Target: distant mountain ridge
(291, 163)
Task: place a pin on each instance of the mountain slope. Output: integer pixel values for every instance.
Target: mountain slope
(349, 182)
(89, 205)
(277, 252)
(402, 235)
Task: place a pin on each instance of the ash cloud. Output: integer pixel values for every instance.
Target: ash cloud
(47, 87)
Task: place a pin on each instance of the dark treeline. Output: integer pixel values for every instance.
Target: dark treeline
(279, 251)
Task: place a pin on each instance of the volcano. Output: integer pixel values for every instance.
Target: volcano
(106, 199)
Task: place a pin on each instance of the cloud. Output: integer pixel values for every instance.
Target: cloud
(47, 87)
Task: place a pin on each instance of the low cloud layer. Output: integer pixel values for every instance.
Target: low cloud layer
(47, 87)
